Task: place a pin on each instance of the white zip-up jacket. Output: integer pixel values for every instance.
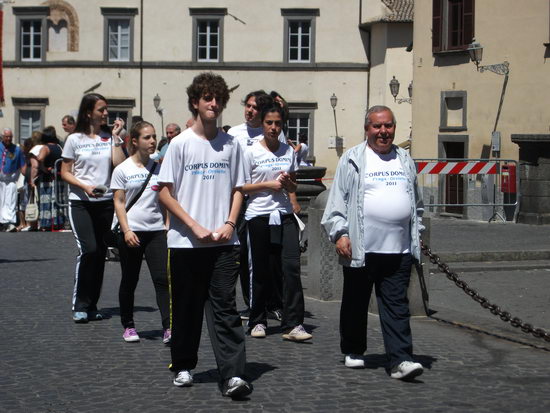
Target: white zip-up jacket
(343, 215)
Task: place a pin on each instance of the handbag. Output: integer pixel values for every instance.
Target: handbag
(31, 210)
(115, 232)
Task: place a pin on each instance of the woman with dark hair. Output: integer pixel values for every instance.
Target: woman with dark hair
(270, 168)
(88, 158)
(142, 228)
(51, 215)
(279, 100)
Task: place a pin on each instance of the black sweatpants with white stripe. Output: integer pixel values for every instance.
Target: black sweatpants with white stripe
(282, 243)
(91, 223)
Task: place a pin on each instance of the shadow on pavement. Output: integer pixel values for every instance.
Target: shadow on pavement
(3, 261)
(485, 331)
(109, 312)
(151, 334)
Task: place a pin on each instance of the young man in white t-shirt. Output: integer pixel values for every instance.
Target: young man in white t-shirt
(201, 179)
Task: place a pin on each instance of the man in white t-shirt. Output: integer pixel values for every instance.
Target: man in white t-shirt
(373, 215)
(201, 179)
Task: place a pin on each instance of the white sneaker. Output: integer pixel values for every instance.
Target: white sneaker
(236, 388)
(298, 333)
(354, 361)
(258, 331)
(407, 370)
(183, 379)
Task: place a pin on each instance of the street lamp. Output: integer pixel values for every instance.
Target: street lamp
(475, 50)
(394, 90)
(333, 103)
(160, 111)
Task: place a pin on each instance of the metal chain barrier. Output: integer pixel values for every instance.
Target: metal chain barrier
(484, 302)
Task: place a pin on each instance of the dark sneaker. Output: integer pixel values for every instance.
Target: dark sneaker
(276, 314)
(236, 388)
(407, 370)
(183, 379)
(167, 336)
(95, 316)
(80, 317)
(130, 335)
(354, 361)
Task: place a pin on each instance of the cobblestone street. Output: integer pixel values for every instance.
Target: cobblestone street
(50, 364)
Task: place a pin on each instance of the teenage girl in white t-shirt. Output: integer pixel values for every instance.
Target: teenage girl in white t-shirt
(89, 155)
(273, 231)
(142, 229)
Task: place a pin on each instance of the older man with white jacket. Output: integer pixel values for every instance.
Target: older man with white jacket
(373, 215)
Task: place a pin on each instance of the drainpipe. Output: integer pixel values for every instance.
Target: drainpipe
(141, 60)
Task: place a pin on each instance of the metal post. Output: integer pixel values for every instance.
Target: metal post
(335, 123)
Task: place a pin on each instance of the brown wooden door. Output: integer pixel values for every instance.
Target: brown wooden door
(454, 184)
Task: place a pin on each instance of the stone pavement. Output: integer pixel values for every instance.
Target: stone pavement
(50, 364)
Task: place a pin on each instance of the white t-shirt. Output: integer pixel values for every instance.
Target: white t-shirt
(92, 163)
(302, 155)
(203, 174)
(262, 165)
(36, 150)
(247, 136)
(386, 204)
(145, 214)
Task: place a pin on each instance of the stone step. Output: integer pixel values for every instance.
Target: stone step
(487, 256)
(481, 266)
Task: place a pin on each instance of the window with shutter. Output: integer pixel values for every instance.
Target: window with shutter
(452, 25)
(436, 26)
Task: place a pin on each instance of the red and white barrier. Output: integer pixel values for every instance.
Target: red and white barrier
(457, 168)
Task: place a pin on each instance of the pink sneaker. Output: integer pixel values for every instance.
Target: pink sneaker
(167, 336)
(130, 335)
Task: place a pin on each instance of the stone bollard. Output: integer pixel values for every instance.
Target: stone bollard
(324, 274)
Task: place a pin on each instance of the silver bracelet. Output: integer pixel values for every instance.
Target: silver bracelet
(119, 143)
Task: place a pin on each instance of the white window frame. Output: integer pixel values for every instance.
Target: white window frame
(209, 16)
(31, 14)
(303, 45)
(118, 14)
(22, 104)
(300, 16)
(302, 109)
(121, 105)
(118, 46)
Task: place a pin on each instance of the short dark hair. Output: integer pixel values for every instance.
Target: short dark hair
(255, 94)
(70, 120)
(274, 94)
(204, 83)
(49, 135)
(87, 104)
(273, 108)
(136, 119)
(161, 143)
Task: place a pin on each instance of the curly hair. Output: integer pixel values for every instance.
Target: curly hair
(207, 83)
